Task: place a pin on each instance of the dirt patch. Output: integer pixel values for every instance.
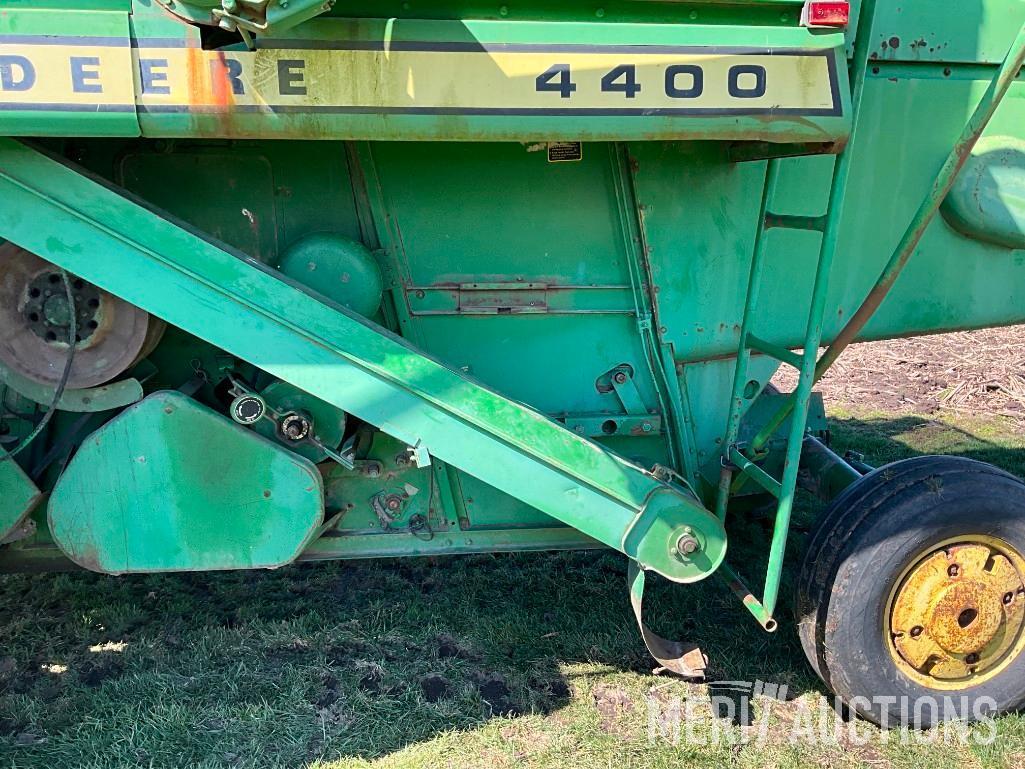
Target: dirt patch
(93, 674)
(370, 683)
(434, 687)
(328, 694)
(345, 652)
(971, 372)
(555, 689)
(449, 647)
(867, 755)
(615, 709)
(495, 692)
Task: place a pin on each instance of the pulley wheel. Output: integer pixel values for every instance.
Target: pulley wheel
(35, 324)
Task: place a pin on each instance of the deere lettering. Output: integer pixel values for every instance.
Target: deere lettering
(16, 73)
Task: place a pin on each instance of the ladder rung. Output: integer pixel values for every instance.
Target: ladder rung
(755, 473)
(791, 222)
(775, 351)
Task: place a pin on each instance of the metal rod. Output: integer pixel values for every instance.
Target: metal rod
(754, 281)
(824, 472)
(802, 395)
(799, 402)
(753, 605)
(755, 473)
(941, 187)
(782, 354)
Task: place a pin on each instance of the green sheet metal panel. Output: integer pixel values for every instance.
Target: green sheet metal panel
(249, 224)
(551, 225)
(956, 32)
(18, 495)
(170, 485)
(970, 283)
(911, 117)
(755, 13)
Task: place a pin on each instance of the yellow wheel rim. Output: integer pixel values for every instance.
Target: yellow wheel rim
(956, 617)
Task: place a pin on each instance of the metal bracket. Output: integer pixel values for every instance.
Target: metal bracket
(420, 455)
(342, 457)
(251, 17)
(626, 388)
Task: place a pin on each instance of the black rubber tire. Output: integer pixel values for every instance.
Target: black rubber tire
(860, 546)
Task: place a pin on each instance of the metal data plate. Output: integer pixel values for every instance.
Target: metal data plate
(405, 79)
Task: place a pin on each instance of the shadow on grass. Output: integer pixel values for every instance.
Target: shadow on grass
(328, 661)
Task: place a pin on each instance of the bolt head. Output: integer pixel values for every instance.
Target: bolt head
(687, 545)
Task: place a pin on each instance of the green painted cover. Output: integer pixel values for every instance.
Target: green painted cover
(170, 485)
(18, 492)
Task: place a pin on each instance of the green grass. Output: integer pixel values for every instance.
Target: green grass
(494, 661)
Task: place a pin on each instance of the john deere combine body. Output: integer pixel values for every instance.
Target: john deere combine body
(284, 280)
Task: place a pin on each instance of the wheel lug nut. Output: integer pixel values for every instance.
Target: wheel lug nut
(954, 570)
(972, 658)
(916, 631)
(1008, 598)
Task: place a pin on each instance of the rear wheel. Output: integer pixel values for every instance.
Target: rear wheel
(911, 597)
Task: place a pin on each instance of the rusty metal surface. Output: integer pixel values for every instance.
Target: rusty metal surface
(33, 325)
(959, 614)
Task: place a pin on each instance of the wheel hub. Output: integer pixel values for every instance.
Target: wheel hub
(959, 613)
(35, 320)
(48, 315)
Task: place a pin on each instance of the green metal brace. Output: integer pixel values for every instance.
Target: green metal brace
(740, 461)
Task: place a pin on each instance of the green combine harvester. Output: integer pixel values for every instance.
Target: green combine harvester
(292, 280)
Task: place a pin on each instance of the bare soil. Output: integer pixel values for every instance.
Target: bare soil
(978, 373)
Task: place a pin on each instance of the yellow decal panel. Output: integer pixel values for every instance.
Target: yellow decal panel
(88, 74)
(421, 78)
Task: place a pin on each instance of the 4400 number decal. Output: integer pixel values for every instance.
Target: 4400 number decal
(404, 77)
(744, 81)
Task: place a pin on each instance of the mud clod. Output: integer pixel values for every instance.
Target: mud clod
(434, 687)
